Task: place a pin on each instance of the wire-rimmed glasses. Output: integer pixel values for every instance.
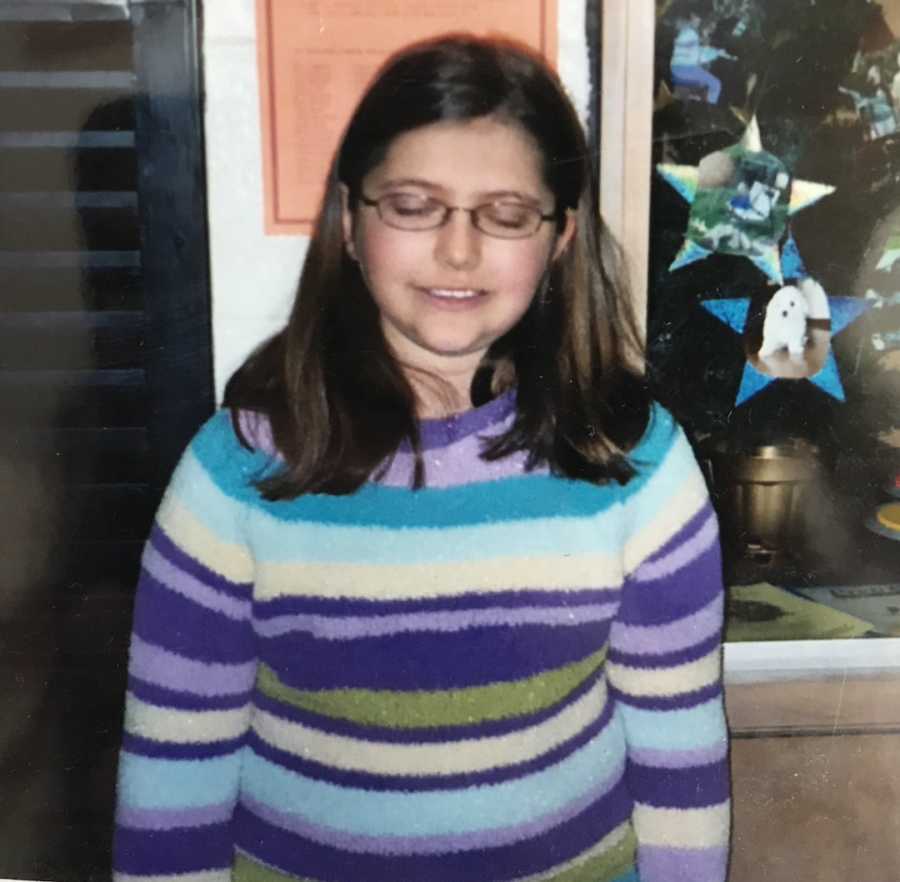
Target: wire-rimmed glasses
(501, 218)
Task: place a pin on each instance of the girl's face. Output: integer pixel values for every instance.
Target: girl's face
(446, 294)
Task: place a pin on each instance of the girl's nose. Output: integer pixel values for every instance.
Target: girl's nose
(458, 243)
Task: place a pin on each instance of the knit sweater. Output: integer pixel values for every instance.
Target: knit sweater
(505, 675)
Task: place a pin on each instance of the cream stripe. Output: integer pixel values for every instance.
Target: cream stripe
(669, 519)
(607, 843)
(391, 582)
(183, 727)
(229, 560)
(203, 876)
(470, 755)
(666, 681)
(683, 828)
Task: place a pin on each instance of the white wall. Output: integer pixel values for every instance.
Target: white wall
(254, 275)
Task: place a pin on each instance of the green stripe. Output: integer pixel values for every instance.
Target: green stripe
(604, 867)
(248, 870)
(450, 707)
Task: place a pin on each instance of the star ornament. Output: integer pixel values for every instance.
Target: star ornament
(734, 312)
(741, 200)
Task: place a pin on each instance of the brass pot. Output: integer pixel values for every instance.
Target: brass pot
(761, 494)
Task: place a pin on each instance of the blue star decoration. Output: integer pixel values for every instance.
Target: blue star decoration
(733, 312)
(726, 236)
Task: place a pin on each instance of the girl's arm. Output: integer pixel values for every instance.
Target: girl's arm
(191, 672)
(665, 665)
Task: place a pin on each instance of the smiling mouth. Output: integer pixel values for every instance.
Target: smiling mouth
(455, 293)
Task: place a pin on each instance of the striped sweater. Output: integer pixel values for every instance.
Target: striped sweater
(506, 675)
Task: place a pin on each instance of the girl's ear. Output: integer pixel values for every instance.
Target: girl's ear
(564, 237)
(347, 221)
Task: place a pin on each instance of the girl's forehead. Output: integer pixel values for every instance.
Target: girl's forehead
(482, 154)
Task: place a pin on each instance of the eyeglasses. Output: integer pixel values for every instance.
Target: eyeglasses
(503, 219)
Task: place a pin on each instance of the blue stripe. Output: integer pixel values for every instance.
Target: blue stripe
(147, 747)
(681, 701)
(152, 783)
(181, 850)
(357, 811)
(349, 606)
(308, 859)
(691, 729)
(481, 656)
(229, 469)
(277, 541)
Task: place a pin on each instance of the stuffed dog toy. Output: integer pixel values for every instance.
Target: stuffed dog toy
(784, 326)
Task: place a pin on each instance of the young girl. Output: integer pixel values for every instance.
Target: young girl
(438, 597)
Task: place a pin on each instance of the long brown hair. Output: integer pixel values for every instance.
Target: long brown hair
(338, 403)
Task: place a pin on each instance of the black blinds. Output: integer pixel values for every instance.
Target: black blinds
(105, 372)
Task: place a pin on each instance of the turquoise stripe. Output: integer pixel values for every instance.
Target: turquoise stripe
(279, 541)
(532, 498)
(678, 471)
(194, 489)
(372, 813)
(146, 783)
(695, 728)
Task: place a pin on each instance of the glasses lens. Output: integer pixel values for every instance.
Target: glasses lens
(408, 212)
(507, 220)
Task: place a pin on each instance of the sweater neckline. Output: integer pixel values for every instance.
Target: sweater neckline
(441, 431)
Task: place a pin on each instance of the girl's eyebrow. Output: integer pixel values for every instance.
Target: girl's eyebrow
(488, 196)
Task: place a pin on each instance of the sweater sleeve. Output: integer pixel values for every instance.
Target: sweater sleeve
(665, 664)
(191, 672)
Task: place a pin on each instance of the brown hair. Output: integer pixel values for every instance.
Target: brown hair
(339, 405)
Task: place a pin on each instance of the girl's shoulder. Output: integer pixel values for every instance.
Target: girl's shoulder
(232, 460)
(661, 435)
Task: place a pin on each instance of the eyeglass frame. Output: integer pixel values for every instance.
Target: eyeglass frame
(449, 209)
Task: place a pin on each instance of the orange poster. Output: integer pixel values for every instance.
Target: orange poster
(315, 58)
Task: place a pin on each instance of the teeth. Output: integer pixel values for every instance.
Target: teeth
(452, 294)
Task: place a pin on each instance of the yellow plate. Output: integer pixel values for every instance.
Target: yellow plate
(889, 515)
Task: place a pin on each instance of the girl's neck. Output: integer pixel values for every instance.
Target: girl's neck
(440, 396)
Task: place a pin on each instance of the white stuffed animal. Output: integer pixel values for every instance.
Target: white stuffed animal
(785, 323)
(816, 299)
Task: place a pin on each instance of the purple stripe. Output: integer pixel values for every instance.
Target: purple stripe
(311, 859)
(682, 701)
(190, 565)
(354, 627)
(676, 635)
(679, 759)
(441, 432)
(420, 661)
(684, 534)
(418, 735)
(684, 864)
(662, 566)
(686, 592)
(162, 697)
(167, 619)
(514, 599)
(171, 819)
(167, 750)
(180, 850)
(697, 787)
(440, 844)
(456, 466)
(203, 593)
(414, 783)
(666, 659)
(163, 668)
